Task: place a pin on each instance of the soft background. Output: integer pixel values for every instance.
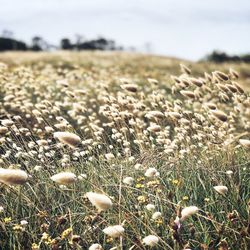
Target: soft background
(183, 28)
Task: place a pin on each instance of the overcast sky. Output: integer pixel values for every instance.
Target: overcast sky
(183, 28)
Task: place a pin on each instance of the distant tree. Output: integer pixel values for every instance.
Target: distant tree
(38, 44)
(79, 40)
(66, 44)
(98, 44)
(217, 57)
(11, 44)
(246, 58)
(220, 57)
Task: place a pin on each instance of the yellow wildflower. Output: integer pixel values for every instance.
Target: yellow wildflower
(18, 228)
(7, 220)
(140, 179)
(142, 199)
(66, 233)
(154, 183)
(46, 238)
(159, 222)
(176, 182)
(109, 240)
(139, 185)
(34, 246)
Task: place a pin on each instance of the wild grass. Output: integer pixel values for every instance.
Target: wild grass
(153, 137)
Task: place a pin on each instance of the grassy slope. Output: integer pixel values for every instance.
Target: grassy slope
(184, 180)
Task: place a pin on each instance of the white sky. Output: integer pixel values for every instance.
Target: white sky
(183, 28)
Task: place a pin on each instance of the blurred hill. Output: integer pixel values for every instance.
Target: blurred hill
(122, 64)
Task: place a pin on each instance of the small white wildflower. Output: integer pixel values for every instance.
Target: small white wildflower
(63, 187)
(229, 172)
(138, 166)
(109, 156)
(152, 172)
(128, 180)
(150, 207)
(156, 215)
(37, 168)
(95, 247)
(23, 222)
(150, 240)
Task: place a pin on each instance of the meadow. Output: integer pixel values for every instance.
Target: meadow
(111, 150)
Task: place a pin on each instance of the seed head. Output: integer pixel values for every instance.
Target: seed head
(13, 176)
(221, 189)
(64, 178)
(67, 138)
(245, 143)
(219, 115)
(188, 211)
(114, 231)
(100, 201)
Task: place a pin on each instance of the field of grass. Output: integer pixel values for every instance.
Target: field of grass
(123, 151)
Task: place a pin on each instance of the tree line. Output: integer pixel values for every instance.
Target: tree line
(221, 57)
(7, 42)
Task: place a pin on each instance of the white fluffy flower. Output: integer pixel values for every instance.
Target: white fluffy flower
(109, 156)
(229, 172)
(13, 176)
(152, 172)
(24, 222)
(64, 178)
(95, 247)
(138, 166)
(38, 168)
(245, 143)
(156, 215)
(114, 231)
(150, 240)
(128, 180)
(221, 189)
(100, 201)
(150, 207)
(188, 211)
